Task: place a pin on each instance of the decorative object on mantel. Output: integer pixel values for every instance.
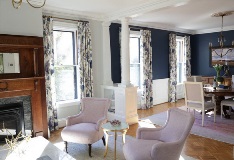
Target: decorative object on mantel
(17, 3)
(218, 68)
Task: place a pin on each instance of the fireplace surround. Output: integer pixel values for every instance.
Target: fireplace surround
(15, 116)
(29, 83)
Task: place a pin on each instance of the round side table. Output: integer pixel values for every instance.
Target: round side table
(107, 127)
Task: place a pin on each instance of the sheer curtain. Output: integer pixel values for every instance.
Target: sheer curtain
(146, 48)
(85, 59)
(49, 73)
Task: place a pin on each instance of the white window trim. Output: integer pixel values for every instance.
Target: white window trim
(66, 26)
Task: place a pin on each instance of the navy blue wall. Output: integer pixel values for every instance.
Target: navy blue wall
(200, 54)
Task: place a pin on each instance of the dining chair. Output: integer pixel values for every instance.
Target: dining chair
(208, 97)
(194, 98)
(227, 102)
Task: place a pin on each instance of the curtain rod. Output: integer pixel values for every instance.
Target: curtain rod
(69, 19)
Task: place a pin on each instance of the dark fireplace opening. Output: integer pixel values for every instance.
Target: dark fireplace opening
(11, 120)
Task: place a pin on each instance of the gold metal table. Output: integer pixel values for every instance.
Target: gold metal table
(107, 127)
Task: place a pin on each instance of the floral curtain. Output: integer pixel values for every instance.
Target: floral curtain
(188, 55)
(172, 67)
(146, 49)
(49, 73)
(85, 59)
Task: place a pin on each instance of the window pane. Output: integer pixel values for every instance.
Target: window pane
(135, 74)
(63, 48)
(134, 50)
(65, 83)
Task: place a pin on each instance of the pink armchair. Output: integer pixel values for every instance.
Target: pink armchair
(85, 128)
(164, 143)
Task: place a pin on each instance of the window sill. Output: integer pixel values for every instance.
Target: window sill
(68, 103)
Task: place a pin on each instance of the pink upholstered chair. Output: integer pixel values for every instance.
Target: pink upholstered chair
(163, 143)
(85, 128)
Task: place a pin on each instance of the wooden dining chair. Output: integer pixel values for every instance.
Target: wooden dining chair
(194, 98)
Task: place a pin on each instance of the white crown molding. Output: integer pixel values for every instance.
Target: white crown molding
(228, 28)
(162, 27)
(143, 8)
(49, 10)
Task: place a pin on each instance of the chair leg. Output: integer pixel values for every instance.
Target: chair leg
(104, 141)
(203, 116)
(221, 110)
(90, 148)
(215, 114)
(65, 143)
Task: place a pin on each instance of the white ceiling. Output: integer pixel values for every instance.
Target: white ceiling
(192, 16)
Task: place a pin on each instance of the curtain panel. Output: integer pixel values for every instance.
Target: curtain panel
(49, 73)
(146, 49)
(188, 56)
(172, 67)
(85, 60)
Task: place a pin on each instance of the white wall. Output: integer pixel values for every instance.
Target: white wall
(160, 91)
(180, 91)
(23, 21)
(96, 33)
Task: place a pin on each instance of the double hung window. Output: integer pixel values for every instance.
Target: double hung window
(181, 59)
(66, 68)
(136, 70)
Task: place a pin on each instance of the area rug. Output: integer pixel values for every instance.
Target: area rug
(80, 152)
(222, 130)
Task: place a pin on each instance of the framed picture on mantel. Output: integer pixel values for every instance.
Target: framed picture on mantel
(224, 55)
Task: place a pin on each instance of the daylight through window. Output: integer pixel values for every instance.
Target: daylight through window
(66, 65)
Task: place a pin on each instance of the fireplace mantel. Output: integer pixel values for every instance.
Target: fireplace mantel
(30, 81)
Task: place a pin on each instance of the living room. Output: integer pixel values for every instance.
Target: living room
(28, 21)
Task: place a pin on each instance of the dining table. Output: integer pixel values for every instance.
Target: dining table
(220, 94)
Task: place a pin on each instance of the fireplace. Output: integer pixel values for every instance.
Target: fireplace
(15, 116)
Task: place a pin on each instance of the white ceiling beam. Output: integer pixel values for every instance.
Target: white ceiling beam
(140, 9)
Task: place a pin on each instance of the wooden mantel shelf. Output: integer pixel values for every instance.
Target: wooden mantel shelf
(11, 41)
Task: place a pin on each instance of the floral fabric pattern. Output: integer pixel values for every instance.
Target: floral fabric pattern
(146, 49)
(85, 59)
(172, 67)
(49, 73)
(188, 56)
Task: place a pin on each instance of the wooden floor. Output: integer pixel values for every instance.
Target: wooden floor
(195, 146)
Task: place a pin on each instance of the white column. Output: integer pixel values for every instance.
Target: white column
(125, 57)
(106, 54)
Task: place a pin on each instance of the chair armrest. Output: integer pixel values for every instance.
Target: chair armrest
(149, 133)
(167, 150)
(100, 122)
(74, 119)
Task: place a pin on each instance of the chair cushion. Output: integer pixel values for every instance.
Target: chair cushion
(207, 105)
(228, 102)
(83, 133)
(132, 152)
